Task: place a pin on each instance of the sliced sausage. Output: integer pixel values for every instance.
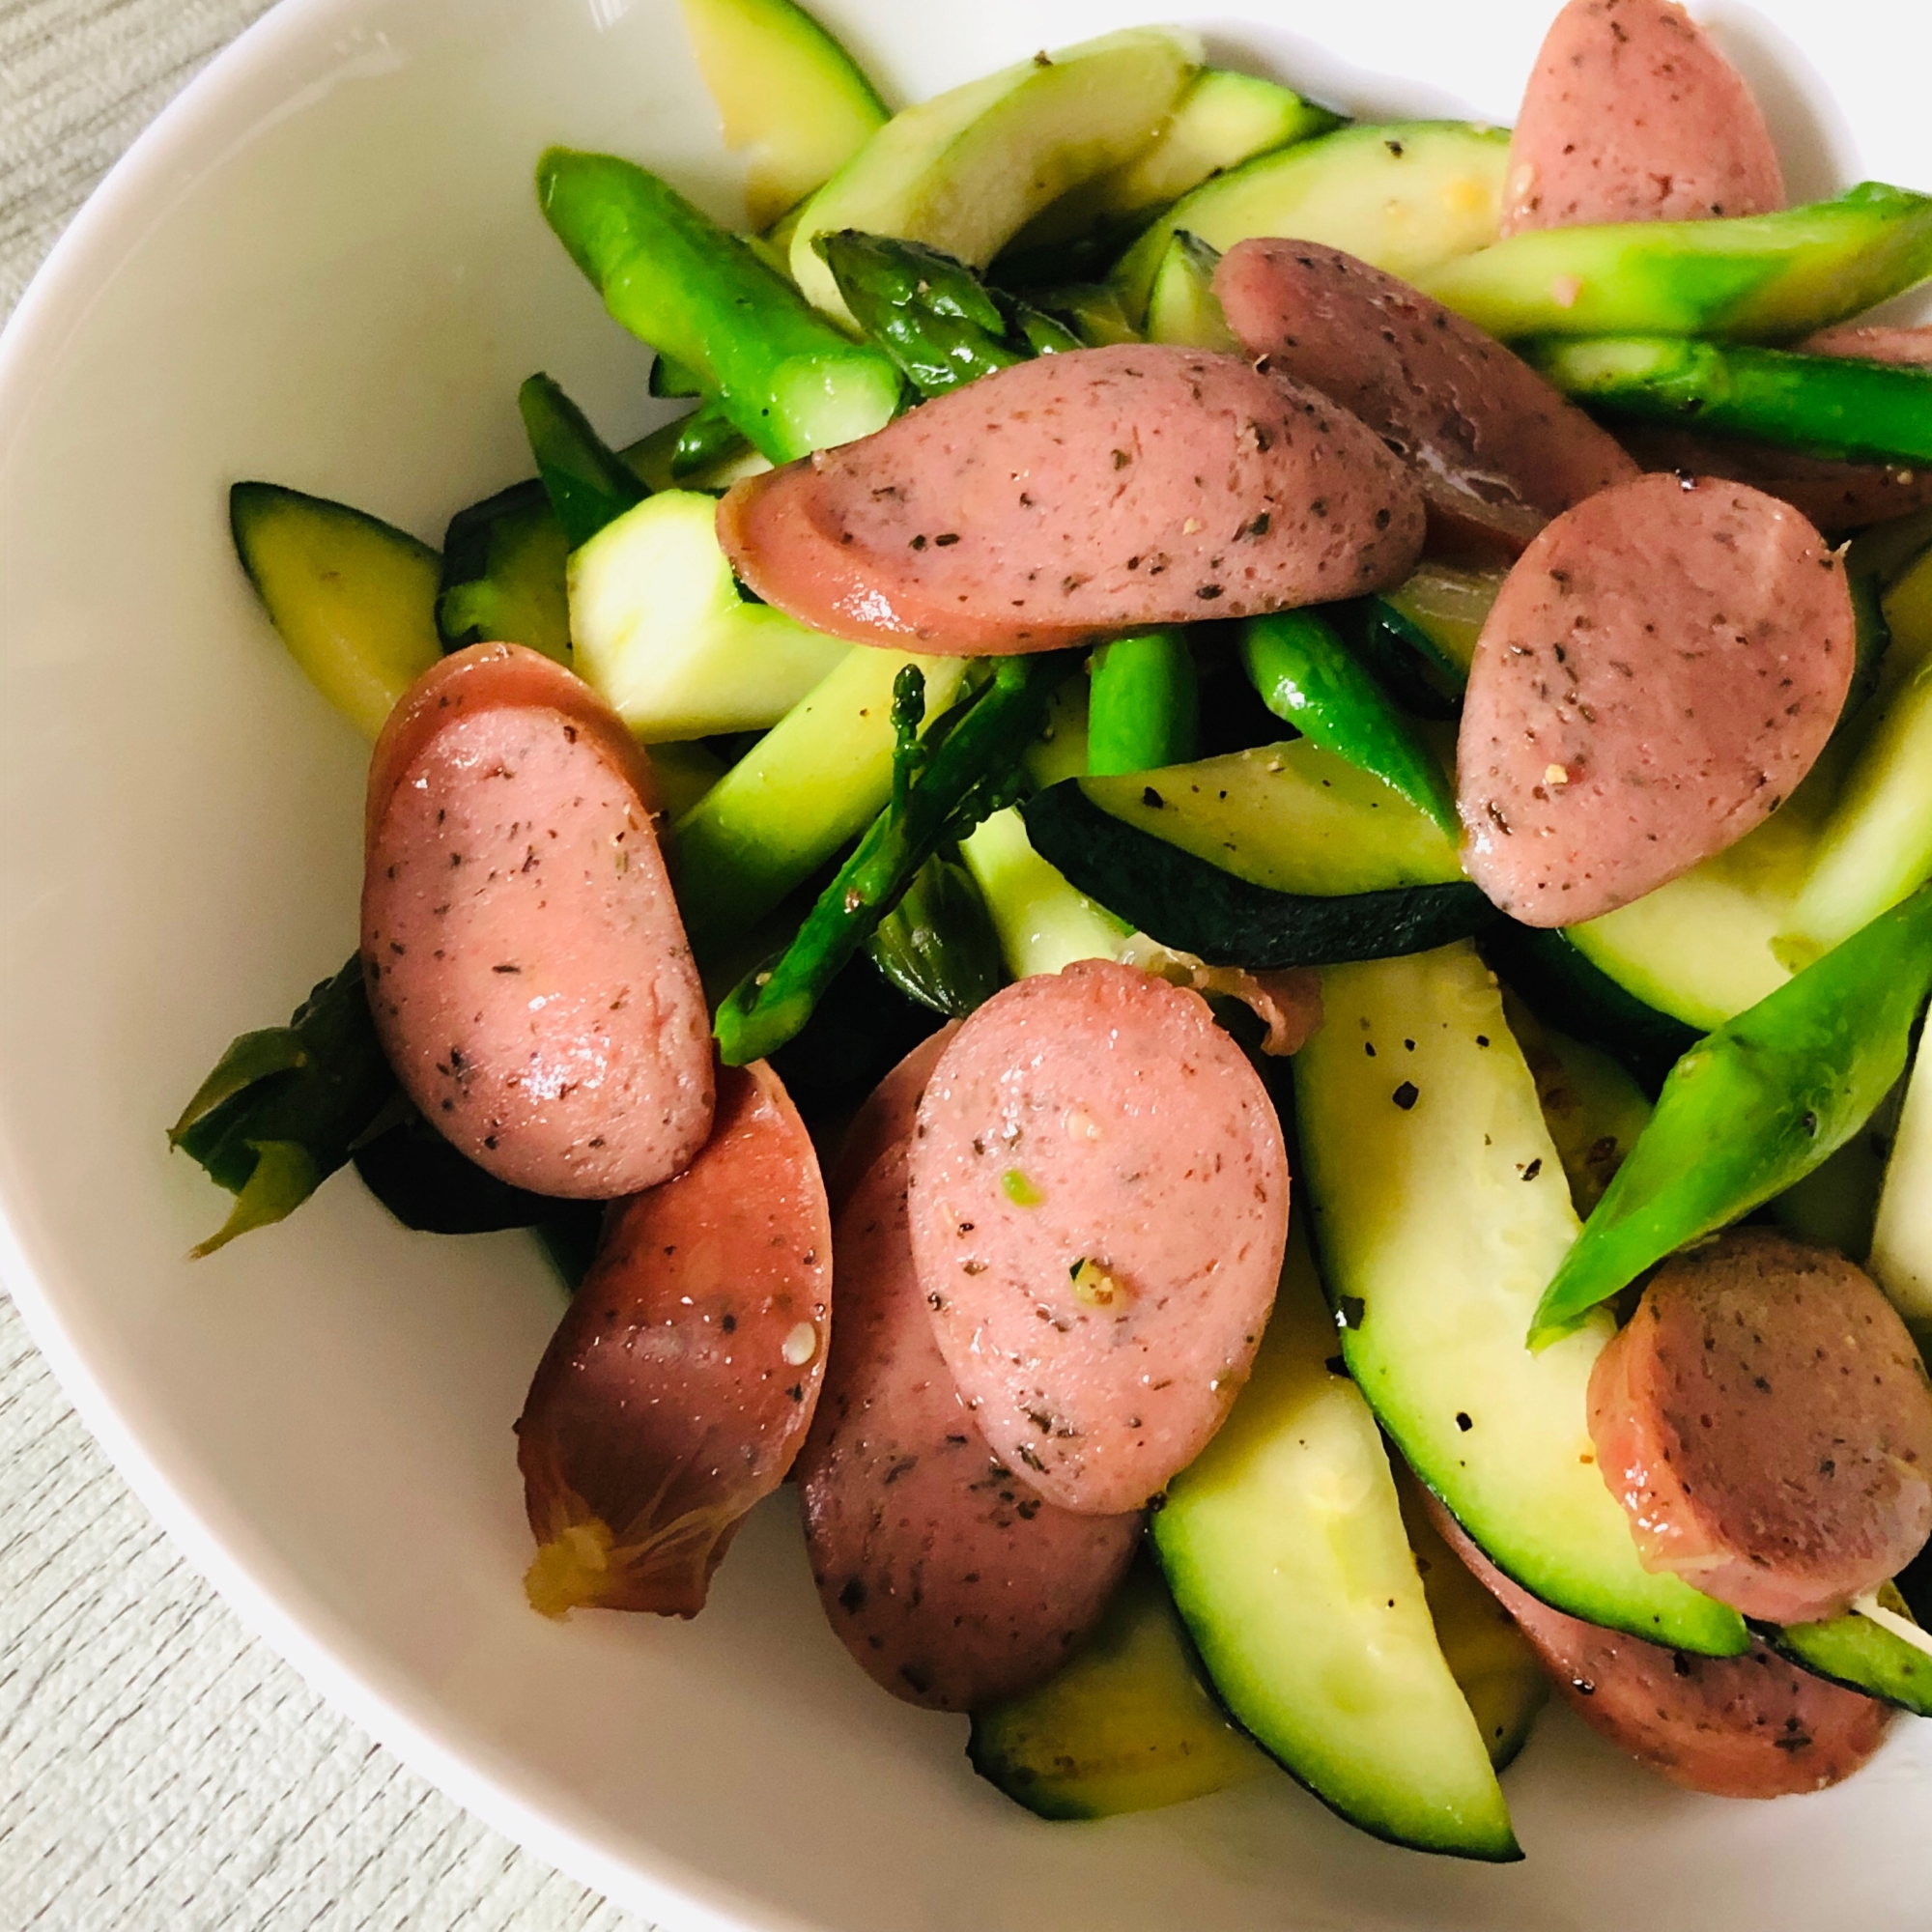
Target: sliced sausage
(886, 1117)
(1099, 1206)
(945, 1573)
(1836, 496)
(681, 1382)
(1496, 450)
(1867, 342)
(1750, 1726)
(1632, 114)
(1766, 1420)
(526, 966)
(1095, 491)
(1662, 666)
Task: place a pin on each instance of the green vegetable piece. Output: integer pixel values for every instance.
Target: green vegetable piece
(351, 597)
(1128, 1724)
(1861, 1655)
(587, 483)
(1746, 278)
(930, 313)
(793, 102)
(1284, 1545)
(943, 799)
(705, 439)
(671, 379)
(662, 631)
(787, 378)
(1309, 678)
(1091, 312)
(284, 1106)
(1754, 1107)
(1876, 844)
(1183, 307)
(1406, 195)
(810, 784)
(1145, 707)
(1824, 405)
(427, 1185)
(967, 170)
(1044, 924)
(938, 945)
(503, 574)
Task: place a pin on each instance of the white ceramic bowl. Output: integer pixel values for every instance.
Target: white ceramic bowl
(325, 266)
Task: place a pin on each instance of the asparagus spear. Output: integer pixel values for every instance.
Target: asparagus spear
(1145, 709)
(1754, 1107)
(936, 796)
(790, 381)
(931, 314)
(1824, 405)
(1310, 679)
(1748, 278)
(588, 484)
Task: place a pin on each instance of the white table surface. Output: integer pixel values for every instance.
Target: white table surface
(160, 1771)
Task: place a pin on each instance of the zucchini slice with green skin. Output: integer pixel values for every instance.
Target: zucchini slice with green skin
(1282, 856)
(1564, 989)
(1901, 1248)
(1284, 1545)
(1824, 405)
(1044, 922)
(1407, 197)
(1129, 1724)
(660, 628)
(503, 574)
(1184, 308)
(968, 169)
(793, 102)
(1743, 278)
(1490, 1658)
(1440, 1211)
(351, 597)
(813, 782)
(1861, 1655)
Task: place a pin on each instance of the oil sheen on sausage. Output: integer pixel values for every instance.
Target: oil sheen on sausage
(1074, 496)
(681, 1382)
(1496, 450)
(1749, 1727)
(1099, 1206)
(1632, 114)
(944, 1572)
(1765, 1419)
(1662, 667)
(526, 966)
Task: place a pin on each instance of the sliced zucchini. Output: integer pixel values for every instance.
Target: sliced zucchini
(1490, 1658)
(1902, 1247)
(1222, 120)
(813, 782)
(1127, 1725)
(1566, 991)
(1406, 195)
(793, 102)
(1746, 278)
(1183, 307)
(1440, 1212)
(1043, 922)
(967, 170)
(1282, 856)
(1591, 1106)
(660, 628)
(503, 574)
(351, 597)
(1442, 608)
(1284, 1545)
(1862, 1656)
